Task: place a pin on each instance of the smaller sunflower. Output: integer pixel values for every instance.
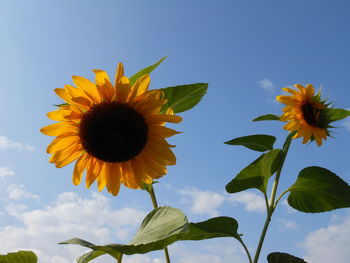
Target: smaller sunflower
(306, 114)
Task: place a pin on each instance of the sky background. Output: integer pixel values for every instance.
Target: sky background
(245, 50)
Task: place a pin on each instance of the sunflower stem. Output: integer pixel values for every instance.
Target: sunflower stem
(155, 205)
(119, 260)
(272, 205)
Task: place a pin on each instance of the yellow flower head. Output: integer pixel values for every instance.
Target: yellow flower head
(306, 114)
(115, 133)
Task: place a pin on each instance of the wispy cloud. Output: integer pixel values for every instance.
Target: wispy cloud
(13, 191)
(204, 202)
(7, 144)
(323, 244)
(18, 192)
(209, 202)
(288, 224)
(267, 85)
(68, 216)
(251, 201)
(5, 172)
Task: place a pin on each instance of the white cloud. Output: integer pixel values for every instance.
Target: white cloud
(208, 202)
(204, 202)
(5, 172)
(288, 224)
(329, 244)
(69, 216)
(13, 191)
(7, 144)
(251, 201)
(17, 192)
(209, 251)
(267, 85)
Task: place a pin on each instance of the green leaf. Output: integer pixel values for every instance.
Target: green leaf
(318, 190)
(19, 257)
(267, 117)
(160, 228)
(184, 97)
(257, 174)
(88, 256)
(257, 142)
(278, 257)
(337, 114)
(159, 224)
(144, 71)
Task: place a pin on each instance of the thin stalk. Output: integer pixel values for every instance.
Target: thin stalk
(280, 196)
(119, 260)
(271, 206)
(267, 203)
(246, 250)
(155, 205)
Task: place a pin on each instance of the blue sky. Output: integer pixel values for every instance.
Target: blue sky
(245, 50)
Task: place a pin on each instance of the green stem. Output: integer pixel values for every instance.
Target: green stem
(155, 205)
(119, 260)
(272, 204)
(280, 196)
(246, 250)
(266, 203)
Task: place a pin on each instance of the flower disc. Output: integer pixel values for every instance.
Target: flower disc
(113, 132)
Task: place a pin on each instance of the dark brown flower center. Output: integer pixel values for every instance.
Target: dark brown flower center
(113, 132)
(311, 114)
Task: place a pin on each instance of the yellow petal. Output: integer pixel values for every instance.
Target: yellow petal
(79, 168)
(292, 91)
(161, 154)
(101, 76)
(59, 128)
(160, 119)
(119, 74)
(92, 171)
(68, 98)
(128, 176)
(113, 177)
(62, 142)
(123, 91)
(141, 86)
(101, 178)
(288, 100)
(72, 156)
(88, 87)
(162, 131)
(309, 91)
(158, 170)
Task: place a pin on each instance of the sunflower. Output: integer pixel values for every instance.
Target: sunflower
(115, 133)
(306, 114)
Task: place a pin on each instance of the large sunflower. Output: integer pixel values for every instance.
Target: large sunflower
(306, 114)
(115, 133)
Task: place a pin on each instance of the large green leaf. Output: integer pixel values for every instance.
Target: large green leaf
(144, 71)
(19, 257)
(160, 228)
(278, 257)
(184, 97)
(318, 190)
(338, 114)
(257, 174)
(257, 142)
(267, 117)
